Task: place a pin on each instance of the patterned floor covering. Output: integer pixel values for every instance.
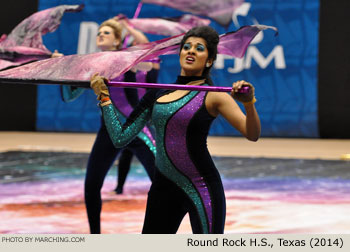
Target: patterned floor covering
(42, 192)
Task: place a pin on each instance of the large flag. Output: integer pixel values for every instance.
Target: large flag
(219, 10)
(111, 64)
(24, 43)
(168, 27)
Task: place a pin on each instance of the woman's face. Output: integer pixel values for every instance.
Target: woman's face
(105, 40)
(194, 56)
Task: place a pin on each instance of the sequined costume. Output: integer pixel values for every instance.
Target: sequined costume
(186, 179)
(103, 153)
(126, 155)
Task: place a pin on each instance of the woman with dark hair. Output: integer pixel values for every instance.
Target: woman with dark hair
(186, 179)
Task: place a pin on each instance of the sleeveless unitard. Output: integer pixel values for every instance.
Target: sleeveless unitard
(186, 179)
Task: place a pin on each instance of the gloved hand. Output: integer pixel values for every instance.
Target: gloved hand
(243, 97)
(97, 83)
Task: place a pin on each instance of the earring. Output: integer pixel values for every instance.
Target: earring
(207, 64)
(114, 43)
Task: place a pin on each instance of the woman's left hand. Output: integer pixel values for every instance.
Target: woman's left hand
(56, 54)
(240, 96)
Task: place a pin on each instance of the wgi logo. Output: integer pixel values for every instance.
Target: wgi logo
(276, 55)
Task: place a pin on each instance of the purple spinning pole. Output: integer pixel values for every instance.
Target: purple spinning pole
(86, 84)
(136, 14)
(244, 89)
(138, 9)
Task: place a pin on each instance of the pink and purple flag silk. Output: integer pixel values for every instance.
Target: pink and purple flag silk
(24, 44)
(168, 27)
(81, 67)
(112, 64)
(219, 10)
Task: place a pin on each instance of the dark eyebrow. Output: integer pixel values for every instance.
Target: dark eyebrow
(198, 43)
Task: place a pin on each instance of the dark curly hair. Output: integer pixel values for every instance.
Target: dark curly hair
(211, 38)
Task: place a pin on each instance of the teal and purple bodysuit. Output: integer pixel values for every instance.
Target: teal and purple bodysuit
(186, 179)
(104, 153)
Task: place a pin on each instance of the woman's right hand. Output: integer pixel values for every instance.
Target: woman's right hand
(97, 83)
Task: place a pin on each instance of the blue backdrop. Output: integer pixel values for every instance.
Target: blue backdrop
(283, 69)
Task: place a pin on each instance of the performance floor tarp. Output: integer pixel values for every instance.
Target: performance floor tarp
(43, 192)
